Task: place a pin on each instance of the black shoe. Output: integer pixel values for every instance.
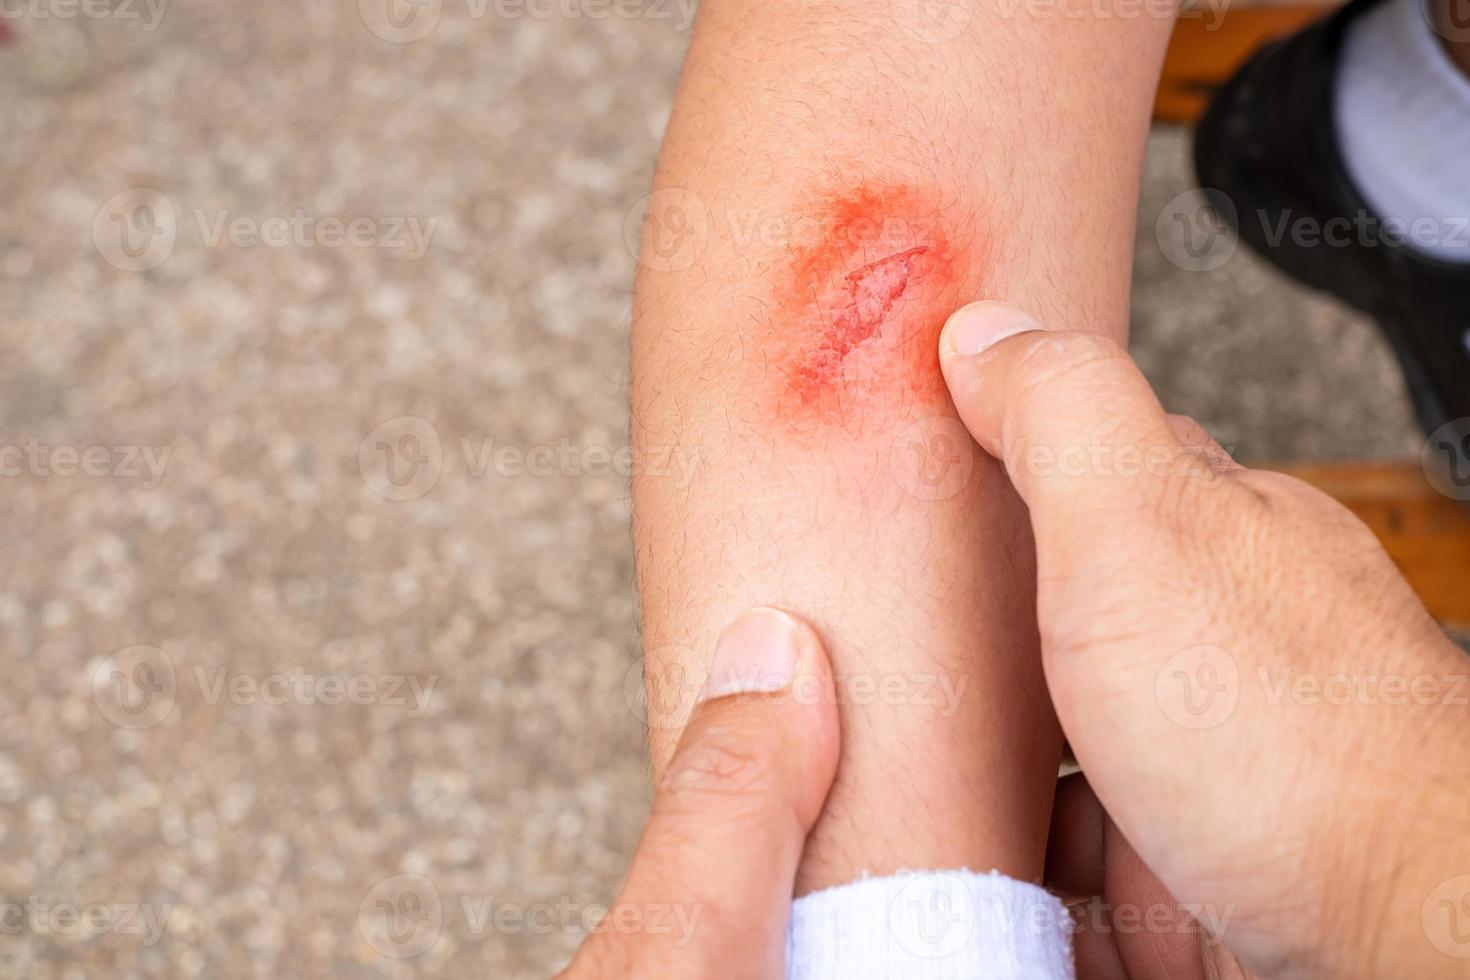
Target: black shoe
(1266, 153)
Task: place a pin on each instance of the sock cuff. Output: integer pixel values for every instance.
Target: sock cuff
(931, 925)
(1393, 59)
(1402, 115)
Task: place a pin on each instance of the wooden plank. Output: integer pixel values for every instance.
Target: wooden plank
(1426, 533)
(1206, 49)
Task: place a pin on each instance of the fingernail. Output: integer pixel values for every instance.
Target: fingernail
(757, 653)
(974, 328)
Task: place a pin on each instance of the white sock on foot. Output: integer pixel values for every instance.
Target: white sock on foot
(930, 925)
(1403, 125)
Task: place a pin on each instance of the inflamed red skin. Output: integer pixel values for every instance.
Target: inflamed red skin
(870, 276)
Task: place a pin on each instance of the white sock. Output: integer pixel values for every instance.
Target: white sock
(930, 925)
(1403, 125)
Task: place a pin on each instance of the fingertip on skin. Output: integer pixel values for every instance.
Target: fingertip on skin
(976, 327)
(761, 652)
(970, 332)
(780, 660)
(746, 784)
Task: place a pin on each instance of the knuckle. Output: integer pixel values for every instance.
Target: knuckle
(1071, 374)
(723, 761)
(1067, 359)
(1188, 431)
(1175, 503)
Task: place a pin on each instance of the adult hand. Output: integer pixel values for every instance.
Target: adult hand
(1266, 712)
(710, 887)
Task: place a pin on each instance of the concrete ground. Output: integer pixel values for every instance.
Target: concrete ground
(260, 688)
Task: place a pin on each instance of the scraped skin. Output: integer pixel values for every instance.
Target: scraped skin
(856, 316)
(870, 299)
(847, 184)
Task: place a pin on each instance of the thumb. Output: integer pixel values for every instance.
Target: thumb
(1068, 413)
(731, 812)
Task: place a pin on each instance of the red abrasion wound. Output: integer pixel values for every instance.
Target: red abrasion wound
(859, 310)
(873, 292)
